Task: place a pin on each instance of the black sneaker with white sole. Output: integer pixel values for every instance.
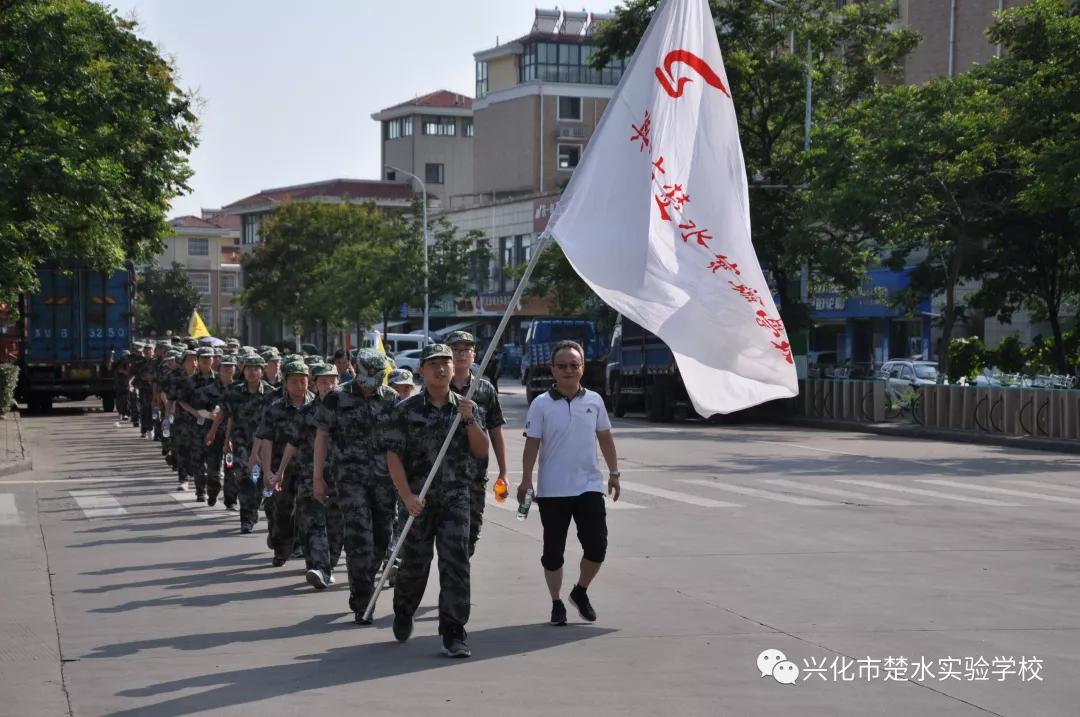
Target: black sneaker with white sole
(558, 612)
(580, 600)
(402, 627)
(453, 642)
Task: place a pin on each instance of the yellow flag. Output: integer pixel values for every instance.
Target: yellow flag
(197, 329)
(379, 344)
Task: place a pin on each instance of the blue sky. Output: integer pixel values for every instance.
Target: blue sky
(288, 88)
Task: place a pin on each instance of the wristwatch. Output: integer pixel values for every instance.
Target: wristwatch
(614, 474)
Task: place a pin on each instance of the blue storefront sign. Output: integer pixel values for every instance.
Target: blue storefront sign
(874, 299)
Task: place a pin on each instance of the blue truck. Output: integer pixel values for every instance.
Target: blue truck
(542, 336)
(642, 375)
(71, 331)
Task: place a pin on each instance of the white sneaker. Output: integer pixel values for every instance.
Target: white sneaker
(316, 579)
(330, 579)
(182, 487)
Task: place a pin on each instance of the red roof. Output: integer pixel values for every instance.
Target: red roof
(441, 99)
(189, 221)
(339, 188)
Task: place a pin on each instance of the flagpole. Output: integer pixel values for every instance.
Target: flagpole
(542, 243)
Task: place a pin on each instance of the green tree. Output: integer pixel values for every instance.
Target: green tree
(913, 171)
(169, 299)
(94, 138)
(766, 61)
(1036, 245)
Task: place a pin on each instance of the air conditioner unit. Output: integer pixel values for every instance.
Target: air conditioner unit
(571, 133)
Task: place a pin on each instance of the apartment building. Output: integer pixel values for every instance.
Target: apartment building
(204, 246)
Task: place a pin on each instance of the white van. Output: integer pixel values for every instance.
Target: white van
(394, 343)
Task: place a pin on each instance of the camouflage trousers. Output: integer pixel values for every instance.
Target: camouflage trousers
(121, 393)
(145, 417)
(319, 526)
(190, 442)
(279, 518)
(442, 525)
(250, 493)
(367, 512)
(215, 456)
(477, 493)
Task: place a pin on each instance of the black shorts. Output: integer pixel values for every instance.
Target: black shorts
(590, 517)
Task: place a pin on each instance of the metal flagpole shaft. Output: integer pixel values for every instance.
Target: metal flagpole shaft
(542, 244)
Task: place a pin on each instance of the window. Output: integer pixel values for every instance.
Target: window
(396, 128)
(198, 247)
(481, 79)
(569, 155)
(570, 108)
(251, 224)
(206, 314)
(566, 62)
(229, 281)
(468, 129)
(391, 175)
(200, 280)
(439, 126)
(228, 320)
(433, 173)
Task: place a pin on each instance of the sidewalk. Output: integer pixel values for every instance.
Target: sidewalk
(14, 455)
(937, 434)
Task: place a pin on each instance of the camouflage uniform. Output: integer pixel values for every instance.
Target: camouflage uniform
(320, 525)
(274, 427)
(193, 450)
(490, 415)
(245, 408)
(173, 388)
(356, 454)
(144, 383)
(209, 397)
(418, 431)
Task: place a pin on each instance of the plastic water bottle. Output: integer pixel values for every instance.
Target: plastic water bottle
(166, 427)
(523, 509)
(228, 460)
(256, 474)
(153, 412)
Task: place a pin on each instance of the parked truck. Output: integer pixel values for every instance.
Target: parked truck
(642, 375)
(542, 336)
(71, 331)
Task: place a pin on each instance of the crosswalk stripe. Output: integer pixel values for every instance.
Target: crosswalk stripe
(97, 503)
(1005, 491)
(931, 493)
(513, 505)
(9, 514)
(677, 497)
(1047, 486)
(852, 495)
(758, 493)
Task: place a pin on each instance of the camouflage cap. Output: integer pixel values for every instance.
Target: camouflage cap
(269, 356)
(401, 377)
(124, 353)
(313, 360)
(253, 360)
(172, 355)
(460, 336)
(293, 368)
(370, 367)
(323, 369)
(205, 352)
(228, 360)
(435, 351)
(189, 353)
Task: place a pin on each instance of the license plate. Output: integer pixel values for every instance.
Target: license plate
(80, 374)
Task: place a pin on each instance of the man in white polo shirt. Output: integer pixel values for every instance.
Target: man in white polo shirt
(563, 427)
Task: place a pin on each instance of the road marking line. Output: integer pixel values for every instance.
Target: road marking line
(758, 493)
(9, 514)
(677, 497)
(146, 480)
(931, 493)
(187, 500)
(97, 503)
(608, 503)
(837, 493)
(1050, 486)
(1005, 491)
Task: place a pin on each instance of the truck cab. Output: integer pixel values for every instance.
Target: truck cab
(642, 374)
(541, 338)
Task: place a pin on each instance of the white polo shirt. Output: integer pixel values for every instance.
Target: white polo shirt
(567, 432)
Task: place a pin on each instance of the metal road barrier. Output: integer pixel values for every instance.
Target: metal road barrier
(1036, 411)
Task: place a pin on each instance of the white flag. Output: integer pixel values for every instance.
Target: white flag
(657, 221)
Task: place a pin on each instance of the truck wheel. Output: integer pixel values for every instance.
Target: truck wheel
(108, 403)
(618, 403)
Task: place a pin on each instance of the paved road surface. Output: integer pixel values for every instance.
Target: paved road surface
(731, 540)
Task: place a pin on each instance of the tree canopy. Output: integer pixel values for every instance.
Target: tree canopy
(94, 138)
(168, 298)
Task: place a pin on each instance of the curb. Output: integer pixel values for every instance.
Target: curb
(27, 463)
(1023, 442)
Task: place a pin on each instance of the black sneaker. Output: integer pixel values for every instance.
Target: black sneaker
(317, 580)
(359, 619)
(558, 613)
(211, 500)
(245, 527)
(200, 498)
(402, 627)
(453, 643)
(581, 602)
(230, 506)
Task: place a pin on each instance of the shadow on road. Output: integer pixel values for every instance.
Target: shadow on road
(345, 666)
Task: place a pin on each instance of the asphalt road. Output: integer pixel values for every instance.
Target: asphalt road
(897, 577)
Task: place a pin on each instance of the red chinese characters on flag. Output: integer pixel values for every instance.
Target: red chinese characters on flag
(776, 326)
(642, 133)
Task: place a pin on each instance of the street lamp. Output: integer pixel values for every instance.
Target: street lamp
(423, 188)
